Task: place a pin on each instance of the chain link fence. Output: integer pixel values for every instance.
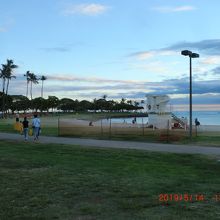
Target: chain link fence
(110, 129)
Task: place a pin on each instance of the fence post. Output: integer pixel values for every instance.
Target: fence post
(196, 130)
(143, 126)
(58, 126)
(168, 128)
(101, 128)
(110, 128)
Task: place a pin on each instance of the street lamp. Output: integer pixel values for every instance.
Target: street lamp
(191, 55)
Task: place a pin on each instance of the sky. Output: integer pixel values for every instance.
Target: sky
(119, 48)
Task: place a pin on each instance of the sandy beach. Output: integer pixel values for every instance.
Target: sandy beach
(72, 122)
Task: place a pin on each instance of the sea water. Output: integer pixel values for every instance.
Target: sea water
(204, 117)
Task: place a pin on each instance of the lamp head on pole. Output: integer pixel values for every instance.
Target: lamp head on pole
(195, 55)
(189, 53)
(186, 52)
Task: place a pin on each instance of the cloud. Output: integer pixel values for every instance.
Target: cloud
(181, 86)
(167, 9)
(86, 9)
(88, 79)
(216, 71)
(209, 47)
(171, 86)
(211, 60)
(56, 49)
(204, 92)
(208, 98)
(119, 87)
(144, 55)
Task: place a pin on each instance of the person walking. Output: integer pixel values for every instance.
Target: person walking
(25, 128)
(36, 126)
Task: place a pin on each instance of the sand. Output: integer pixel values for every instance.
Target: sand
(76, 122)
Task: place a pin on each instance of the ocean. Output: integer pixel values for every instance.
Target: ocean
(204, 117)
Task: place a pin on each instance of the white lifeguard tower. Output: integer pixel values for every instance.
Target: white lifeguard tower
(159, 114)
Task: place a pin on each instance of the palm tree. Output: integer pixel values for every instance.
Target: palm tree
(28, 80)
(9, 66)
(3, 76)
(34, 80)
(129, 102)
(136, 104)
(123, 100)
(43, 78)
(104, 96)
(6, 75)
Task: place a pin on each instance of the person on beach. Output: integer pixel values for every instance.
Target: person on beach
(36, 126)
(197, 123)
(25, 124)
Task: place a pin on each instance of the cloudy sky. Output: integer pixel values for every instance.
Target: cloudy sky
(121, 48)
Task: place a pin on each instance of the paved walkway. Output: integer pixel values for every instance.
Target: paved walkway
(172, 148)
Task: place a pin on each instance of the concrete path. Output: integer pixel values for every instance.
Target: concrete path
(172, 148)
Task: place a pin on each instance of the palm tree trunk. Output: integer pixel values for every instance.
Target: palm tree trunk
(3, 97)
(31, 90)
(6, 94)
(42, 89)
(27, 90)
(7, 86)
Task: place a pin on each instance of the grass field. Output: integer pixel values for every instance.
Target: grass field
(43, 182)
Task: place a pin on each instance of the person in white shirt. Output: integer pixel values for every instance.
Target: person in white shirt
(36, 127)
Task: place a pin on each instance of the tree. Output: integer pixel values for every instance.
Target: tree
(94, 104)
(39, 104)
(122, 105)
(27, 75)
(6, 75)
(42, 78)
(84, 105)
(52, 102)
(34, 80)
(9, 67)
(136, 104)
(111, 105)
(123, 101)
(104, 96)
(19, 103)
(3, 76)
(67, 105)
(129, 102)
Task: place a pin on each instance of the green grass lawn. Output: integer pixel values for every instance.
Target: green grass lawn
(41, 181)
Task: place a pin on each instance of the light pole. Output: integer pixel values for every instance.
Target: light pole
(191, 55)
